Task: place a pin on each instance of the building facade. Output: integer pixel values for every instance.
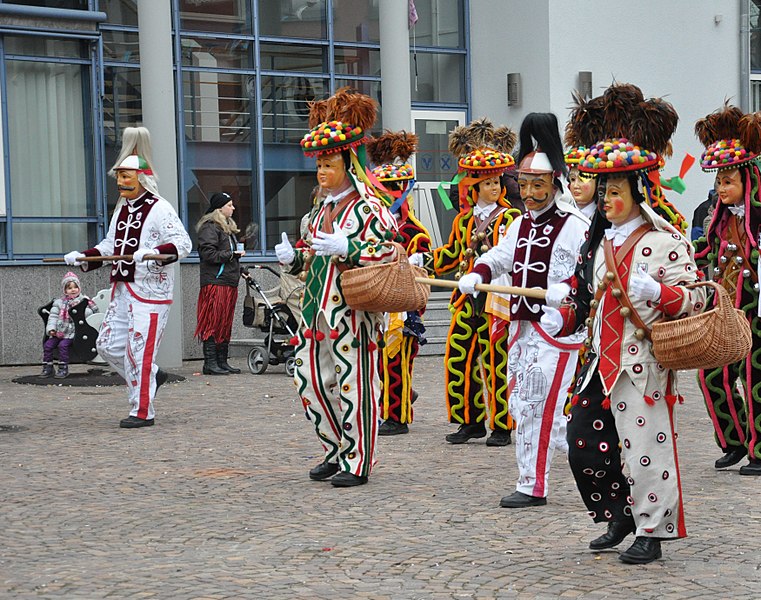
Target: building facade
(241, 75)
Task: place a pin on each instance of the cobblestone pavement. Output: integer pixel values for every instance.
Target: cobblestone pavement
(214, 502)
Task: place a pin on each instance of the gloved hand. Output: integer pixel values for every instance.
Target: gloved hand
(139, 255)
(330, 244)
(284, 250)
(468, 283)
(551, 321)
(71, 258)
(417, 259)
(556, 293)
(644, 287)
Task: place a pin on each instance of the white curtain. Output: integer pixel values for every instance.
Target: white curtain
(47, 154)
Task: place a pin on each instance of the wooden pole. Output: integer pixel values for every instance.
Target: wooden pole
(487, 287)
(127, 257)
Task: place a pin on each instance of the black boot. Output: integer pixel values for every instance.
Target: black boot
(731, 457)
(222, 350)
(617, 531)
(47, 370)
(752, 468)
(644, 550)
(466, 432)
(210, 366)
(499, 437)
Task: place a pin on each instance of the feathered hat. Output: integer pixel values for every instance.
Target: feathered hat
(730, 137)
(390, 153)
(626, 133)
(483, 151)
(338, 123)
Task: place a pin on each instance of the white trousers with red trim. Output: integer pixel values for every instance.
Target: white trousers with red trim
(338, 382)
(128, 340)
(540, 372)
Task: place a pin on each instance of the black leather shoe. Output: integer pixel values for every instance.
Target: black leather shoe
(617, 531)
(466, 432)
(499, 437)
(644, 550)
(161, 377)
(734, 456)
(521, 500)
(345, 479)
(323, 471)
(393, 428)
(752, 468)
(132, 422)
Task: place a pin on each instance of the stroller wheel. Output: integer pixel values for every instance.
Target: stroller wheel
(258, 360)
(290, 365)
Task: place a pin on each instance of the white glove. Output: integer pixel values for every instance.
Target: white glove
(644, 287)
(556, 293)
(417, 259)
(467, 283)
(139, 255)
(284, 250)
(551, 321)
(329, 244)
(71, 258)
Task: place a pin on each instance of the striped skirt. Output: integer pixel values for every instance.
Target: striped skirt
(216, 308)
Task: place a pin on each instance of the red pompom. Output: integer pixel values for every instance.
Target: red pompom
(574, 401)
(649, 400)
(606, 403)
(372, 346)
(319, 336)
(334, 334)
(294, 341)
(308, 334)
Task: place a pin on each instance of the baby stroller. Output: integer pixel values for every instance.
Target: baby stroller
(277, 320)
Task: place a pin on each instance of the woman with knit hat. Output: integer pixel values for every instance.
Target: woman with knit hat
(476, 352)
(633, 272)
(220, 273)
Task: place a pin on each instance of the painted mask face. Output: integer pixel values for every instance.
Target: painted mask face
(331, 172)
(582, 187)
(128, 184)
(619, 205)
(729, 186)
(489, 190)
(536, 190)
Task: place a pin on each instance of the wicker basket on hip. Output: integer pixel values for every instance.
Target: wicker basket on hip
(387, 287)
(715, 338)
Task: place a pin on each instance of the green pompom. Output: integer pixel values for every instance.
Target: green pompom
(355, 343)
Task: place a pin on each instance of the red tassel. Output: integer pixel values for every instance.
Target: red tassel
(294, 341)
(334, 334)
(308, 334)
(319, 336)
(606, 403)
(649, 400)
(574, 401)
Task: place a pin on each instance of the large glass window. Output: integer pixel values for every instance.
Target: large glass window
(285, 107)
(119, 12)
(217, 106)
(73, 4)
(288, 198)
(755, 36)
(220, 53)
(356, 20)
(293, 18)
(223, 16)
(357, 61)
(439, 24)
(293, 57)
(121, 46)
(437, 77)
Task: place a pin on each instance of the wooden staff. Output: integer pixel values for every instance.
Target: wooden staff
(487, 287)
(127, 257)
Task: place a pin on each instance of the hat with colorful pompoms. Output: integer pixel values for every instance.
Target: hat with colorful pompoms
(338, 123)
(573, 156)
(485, 161)
(618, 156)
(483, 149)
(390, 152)
(731, 138)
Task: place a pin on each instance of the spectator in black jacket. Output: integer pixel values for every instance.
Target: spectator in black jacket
(220, 255)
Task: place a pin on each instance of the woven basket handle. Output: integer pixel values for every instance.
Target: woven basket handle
(723, 300)
(401, 252)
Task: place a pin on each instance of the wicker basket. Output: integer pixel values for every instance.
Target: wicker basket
(387, 287)
(715, 338)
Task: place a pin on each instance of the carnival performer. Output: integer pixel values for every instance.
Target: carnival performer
(583, 187)
(540, 249)
(476, 352)
(143, 223)
(633, 272)
(219, 273)
(730, 249)
(405, 332)
(336, 349)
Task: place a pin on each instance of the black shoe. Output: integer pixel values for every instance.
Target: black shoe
(466, 432)
(161, 377)
(323, 471)
(752, 468)
(210, 366)
(413, 397)
(617, 531)
(390, 427)
(521, 500)
(499, 437)
(222, 353)
(734, 456)
(132, 422)
(345, 479)
(644, 550)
